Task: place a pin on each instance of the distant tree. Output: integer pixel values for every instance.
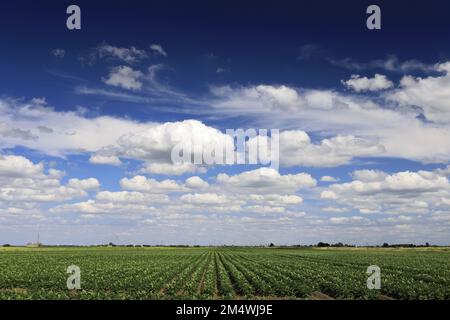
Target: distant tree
(385, 245)
(7, 245)
(427, 244)
(271, 245)
(323, 244)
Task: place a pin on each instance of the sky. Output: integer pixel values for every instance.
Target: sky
(89, 120)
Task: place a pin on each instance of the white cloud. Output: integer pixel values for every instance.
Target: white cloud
(385, 133)
(405, 182)
(105, 159)
(398, 193)
(129, 55)
(261, 210)
(26, 185)
(296, 149)
(196, 183)
(131, 197)
(80, 207)
(355, 124)
(444, 172)
(72, 132)
(397, 219)
(157, 48)
(369, 175)
(86, 184)
(204, 199)
(432, 94)
(399, 130)
(19, 167)
(107, 208)
(127, 203)
(196, 196)
(335, 209)
(266, 180)
(377, 83)
(329, 179)
(328, 194)
(155, 145)
(124, 77)
(348, 220)
(144, 184)
(276, 199)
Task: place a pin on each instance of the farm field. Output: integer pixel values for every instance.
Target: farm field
(224, 273)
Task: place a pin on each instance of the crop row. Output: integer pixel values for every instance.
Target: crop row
(221, 273)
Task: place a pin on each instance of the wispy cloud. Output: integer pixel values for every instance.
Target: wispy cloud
(158, 49)
(58, 53)
(391, 63)
(309, 51)
(130, 55)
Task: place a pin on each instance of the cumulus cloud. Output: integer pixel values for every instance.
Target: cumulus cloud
(196, 183)
(26, 185)
(266, 180)
(131, 197)
(18, 166)
(155, 145)
(108, 139)
(402, 192)
(328, 194)
(124, 77)
(146, 195)
(204, 198)
(276, 199)
(432, 94)
(144, 184)
(84, 184)
(377, 83)
(369, 175)
(296, 149)
(399, 130)
(403, 182)
(358, 127)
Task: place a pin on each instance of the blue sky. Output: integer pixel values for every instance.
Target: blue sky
(88, 119)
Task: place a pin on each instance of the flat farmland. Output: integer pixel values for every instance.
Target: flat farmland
(224, 273)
